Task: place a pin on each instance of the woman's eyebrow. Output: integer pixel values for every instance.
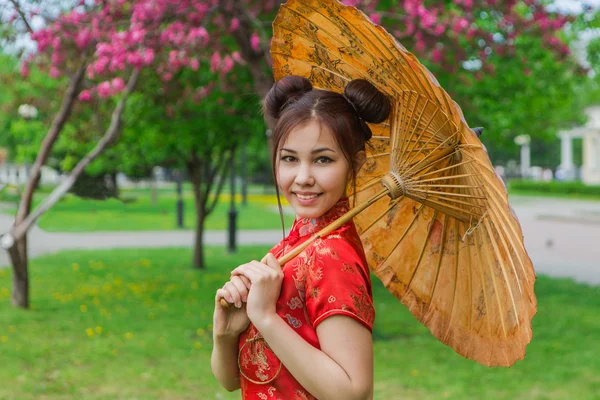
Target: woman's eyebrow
(319, 150)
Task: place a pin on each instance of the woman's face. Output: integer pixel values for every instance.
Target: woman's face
(312, 171)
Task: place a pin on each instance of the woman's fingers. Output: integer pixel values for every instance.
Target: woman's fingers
(246, 281)
(253, 273)
(240, 286)
(235, 294)
(223, 294)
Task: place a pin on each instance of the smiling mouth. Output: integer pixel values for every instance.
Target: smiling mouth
(307, 197)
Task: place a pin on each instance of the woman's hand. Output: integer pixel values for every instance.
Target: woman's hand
(233, 320)
(266, 278)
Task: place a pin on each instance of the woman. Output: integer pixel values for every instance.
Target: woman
(303, 331)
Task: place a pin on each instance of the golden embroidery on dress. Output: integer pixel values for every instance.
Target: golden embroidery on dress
(256, 355)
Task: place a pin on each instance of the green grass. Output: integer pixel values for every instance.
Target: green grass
(137, 213)
(127, 324)
(567, 190)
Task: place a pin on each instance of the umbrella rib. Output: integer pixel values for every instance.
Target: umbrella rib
(456, 212)
(430, 138)
(447, 194)
(429, 155)
(455, 241)
(369, 185)
(490, 264)
(510, 238)
(500, 223)
(401, 237)
(431, 223)
(393, 204)
(441, 178)
(437, 273)
(508, 287)
(470, 280)
(417, 184)
(483, 288)
(412, 134)
(446, 168)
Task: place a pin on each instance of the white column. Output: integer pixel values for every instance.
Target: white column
(525, 160)
(566, 169)
(566, 152)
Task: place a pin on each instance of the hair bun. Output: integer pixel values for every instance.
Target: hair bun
(284, 92)
(370, 104)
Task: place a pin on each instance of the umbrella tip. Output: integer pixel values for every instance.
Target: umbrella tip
(478, 131)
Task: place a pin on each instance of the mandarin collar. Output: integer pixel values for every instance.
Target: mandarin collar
(308, 226)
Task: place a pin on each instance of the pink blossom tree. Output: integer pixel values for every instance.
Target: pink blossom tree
(103, 46)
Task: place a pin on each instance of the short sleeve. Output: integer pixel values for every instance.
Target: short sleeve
(338, 283)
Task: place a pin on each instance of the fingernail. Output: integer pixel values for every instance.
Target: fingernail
(238, 305)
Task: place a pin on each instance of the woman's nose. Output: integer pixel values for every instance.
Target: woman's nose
(304, 176)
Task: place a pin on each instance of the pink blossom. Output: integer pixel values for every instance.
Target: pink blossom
(118, 84)
(227, 64)
(85, 95)
(54, 72)
(376, 18)
(437, 55)
(25, 69)
(460, 24)
(194, 64)
(148, 56)
(468, 3)
(255, 42)
(167, 76)
(238, 58)
(83, 38)
(104, 89)
(351, 3)
(428, 20)
(235, 24)
(215, 61)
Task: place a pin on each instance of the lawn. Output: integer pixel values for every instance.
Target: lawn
(128, 324)
(136, 212)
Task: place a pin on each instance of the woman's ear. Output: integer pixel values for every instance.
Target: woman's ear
(359, 160)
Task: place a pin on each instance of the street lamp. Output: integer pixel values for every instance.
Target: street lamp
(524, 141)
(178, 179)
(232, 210)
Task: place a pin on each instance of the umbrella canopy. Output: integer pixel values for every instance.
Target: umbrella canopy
(444, 240)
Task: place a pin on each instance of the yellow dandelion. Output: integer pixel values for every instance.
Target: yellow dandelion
(114, 352)
(90, 332)
(197, 345)
(83, 308)
(96, 301)
(75, 266)
(128, 335)
(98, 330)
(200, 332)
(209, 327)
(118, 282)
(5, 291)
(145, 262)
(414, 372)
(12, 328)
(194, 285)
(4, 339)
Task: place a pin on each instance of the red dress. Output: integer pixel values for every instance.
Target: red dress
(329, 277)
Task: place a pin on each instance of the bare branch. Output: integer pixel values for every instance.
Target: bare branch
(51, 137)
(111, 133)
(17, 7)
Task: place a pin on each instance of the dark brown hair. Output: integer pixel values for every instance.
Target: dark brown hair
(293, 102)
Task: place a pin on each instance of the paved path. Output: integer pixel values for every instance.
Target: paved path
(562, 237)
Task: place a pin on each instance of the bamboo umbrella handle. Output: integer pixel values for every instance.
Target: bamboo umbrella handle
(325, 231)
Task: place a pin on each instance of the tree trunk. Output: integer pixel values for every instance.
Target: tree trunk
(196, 171)
(19, 261)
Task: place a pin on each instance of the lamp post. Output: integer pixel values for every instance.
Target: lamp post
(524, 141)
(232, 211)
(178, 179)
(244, 171)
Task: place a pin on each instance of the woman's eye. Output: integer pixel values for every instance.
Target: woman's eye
(323, 160)
(288, 158)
